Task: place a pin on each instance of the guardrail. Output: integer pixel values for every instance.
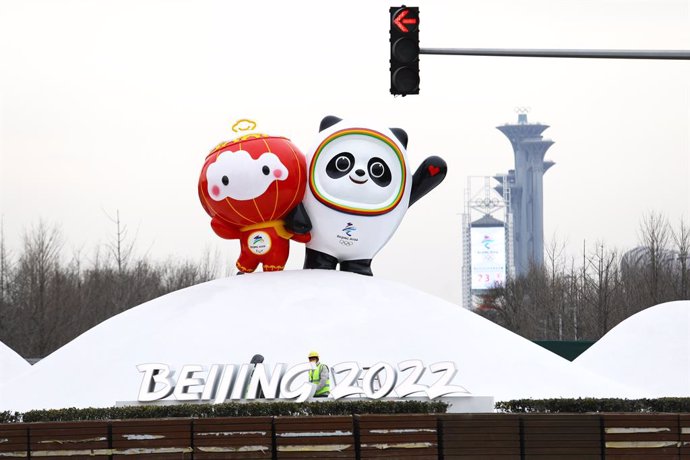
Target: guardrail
(445, 436)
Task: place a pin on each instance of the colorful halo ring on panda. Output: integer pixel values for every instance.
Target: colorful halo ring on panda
(386, 147)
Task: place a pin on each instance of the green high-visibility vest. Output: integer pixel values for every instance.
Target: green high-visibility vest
(315, 377)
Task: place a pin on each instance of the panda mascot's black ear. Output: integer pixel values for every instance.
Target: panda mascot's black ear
(401, 135)
(328, 121)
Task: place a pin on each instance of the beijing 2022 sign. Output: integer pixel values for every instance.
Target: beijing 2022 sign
(222, 382)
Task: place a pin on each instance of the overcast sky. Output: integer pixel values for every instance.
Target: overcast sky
(108, 105)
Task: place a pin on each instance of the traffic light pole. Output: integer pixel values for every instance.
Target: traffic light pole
(405, 51)
(588, 54)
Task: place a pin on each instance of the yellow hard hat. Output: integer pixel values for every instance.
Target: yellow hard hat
(313, 354)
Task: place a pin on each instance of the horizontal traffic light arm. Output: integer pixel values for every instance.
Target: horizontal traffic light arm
(590, 54)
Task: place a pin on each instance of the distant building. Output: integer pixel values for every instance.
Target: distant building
(487, 240)
(640, 258)
(526, 187)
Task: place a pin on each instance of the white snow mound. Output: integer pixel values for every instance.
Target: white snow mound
(11, 364)
(284, 315)
(650, 351)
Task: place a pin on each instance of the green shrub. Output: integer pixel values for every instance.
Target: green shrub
(233, 410)
(9, 417)
(582, 405)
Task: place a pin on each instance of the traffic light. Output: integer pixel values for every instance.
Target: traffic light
(404, 41)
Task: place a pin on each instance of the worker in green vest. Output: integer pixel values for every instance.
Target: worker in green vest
(319, 375)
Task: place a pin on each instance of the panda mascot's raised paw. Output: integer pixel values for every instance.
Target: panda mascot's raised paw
(359, 188)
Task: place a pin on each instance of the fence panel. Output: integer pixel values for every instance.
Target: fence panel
(233, 438)
(684, 426)
(315, 437)
(14, 438)
(562, 436)
(159, 439)
(76, 440)
(480, 436)
(641, 436)
(395, 436)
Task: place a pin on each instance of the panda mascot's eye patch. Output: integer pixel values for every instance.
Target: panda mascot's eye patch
(340, 165)
(379, 172)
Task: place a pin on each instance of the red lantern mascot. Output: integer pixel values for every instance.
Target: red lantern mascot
(248, 186)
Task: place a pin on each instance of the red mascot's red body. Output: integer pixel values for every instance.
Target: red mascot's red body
(248, 186)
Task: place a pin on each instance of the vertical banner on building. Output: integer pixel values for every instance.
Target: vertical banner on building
(488, 252)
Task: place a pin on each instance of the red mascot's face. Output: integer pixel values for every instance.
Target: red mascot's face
(252, 180)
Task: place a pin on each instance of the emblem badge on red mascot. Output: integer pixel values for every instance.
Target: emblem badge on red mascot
(248, 186)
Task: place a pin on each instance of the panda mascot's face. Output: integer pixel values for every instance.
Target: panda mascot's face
(358, 171)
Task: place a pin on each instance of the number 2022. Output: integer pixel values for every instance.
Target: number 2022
(347, 385)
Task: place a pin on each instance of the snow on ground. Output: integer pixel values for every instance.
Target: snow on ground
(11, 364)
(650, 350)
(283, 315)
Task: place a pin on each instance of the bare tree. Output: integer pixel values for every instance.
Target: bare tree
(120, 249)
(522, 305)
(5, 263)
(47, 302)
(5, 275)
(681, 240)
(34, 284)
(654, 234)
(507, 306)
(209, 264)
(602, 288)
(574, 297)
(555, 271)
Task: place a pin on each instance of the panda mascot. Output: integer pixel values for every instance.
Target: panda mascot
(359, 188)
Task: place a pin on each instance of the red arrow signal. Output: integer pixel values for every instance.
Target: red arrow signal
(401, 20)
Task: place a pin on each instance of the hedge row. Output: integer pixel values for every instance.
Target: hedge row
(228, 410)
(9, 417)
(582, 405)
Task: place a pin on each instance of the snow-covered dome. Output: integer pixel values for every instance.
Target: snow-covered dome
(11, 364)
(284, 315)
(650, 351)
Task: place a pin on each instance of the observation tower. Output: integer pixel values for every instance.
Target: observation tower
(526, 186)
